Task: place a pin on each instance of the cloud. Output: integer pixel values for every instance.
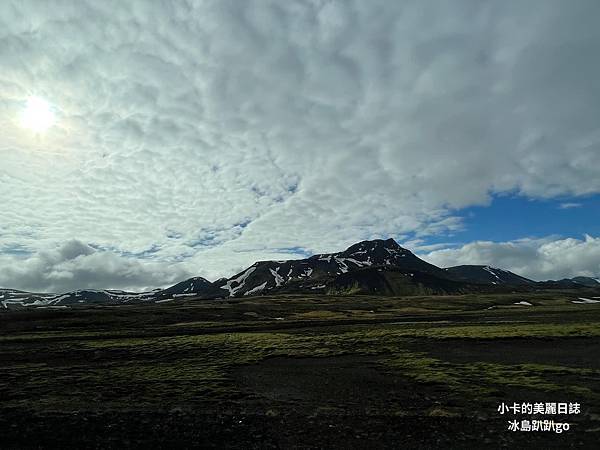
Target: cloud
(569, 205)
(538, 259)
(203, 134)
(76, 265)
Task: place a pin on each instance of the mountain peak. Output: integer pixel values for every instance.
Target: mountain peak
(374, 245)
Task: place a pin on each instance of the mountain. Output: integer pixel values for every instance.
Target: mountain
(566, 283)
(487, 275)
(193, 287)
(376, 267)
(317, 272)
(587, 281)
(12, 298)
(571, 283)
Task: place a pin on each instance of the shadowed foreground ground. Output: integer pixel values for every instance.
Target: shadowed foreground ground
(298, 372)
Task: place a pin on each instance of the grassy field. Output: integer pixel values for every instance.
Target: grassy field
(300, 372)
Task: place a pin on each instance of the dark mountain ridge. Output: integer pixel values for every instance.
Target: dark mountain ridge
(487, 275)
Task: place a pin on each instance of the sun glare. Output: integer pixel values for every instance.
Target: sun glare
(38, 115)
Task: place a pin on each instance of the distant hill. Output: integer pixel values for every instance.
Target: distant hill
(13, 298)
(487, 275)
(587, 281)
(192, 287)
(571, 283)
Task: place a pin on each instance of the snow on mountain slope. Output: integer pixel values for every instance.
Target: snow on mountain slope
(312, 272)
(237, 283)
(12, 297)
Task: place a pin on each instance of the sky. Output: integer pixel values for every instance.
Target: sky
(145, 142)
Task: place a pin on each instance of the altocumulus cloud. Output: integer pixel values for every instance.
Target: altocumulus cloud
(203, 135)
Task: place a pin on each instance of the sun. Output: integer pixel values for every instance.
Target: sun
(38, 115)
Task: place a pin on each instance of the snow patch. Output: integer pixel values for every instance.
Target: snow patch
(342, 265)
(5, 303)
(307, 272)
(358, 263)
(278, 278)
(490, 270)
(584, 301)
(240, 280)
(256, 289)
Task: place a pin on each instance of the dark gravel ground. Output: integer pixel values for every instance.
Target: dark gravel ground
(354, 400)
